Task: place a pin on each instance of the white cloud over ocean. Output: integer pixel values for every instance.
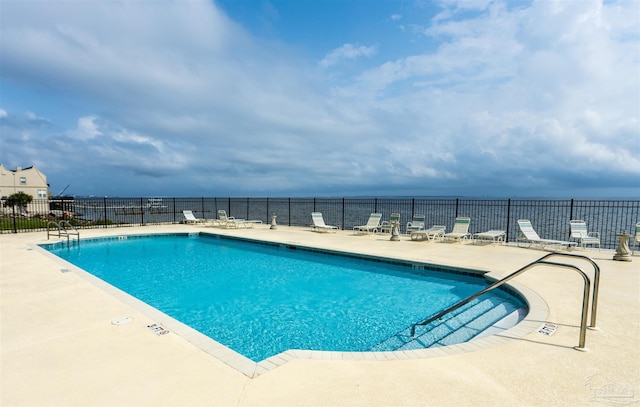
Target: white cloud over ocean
(178, 98)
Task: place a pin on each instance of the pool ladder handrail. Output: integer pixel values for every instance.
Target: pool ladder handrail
(63, 229)
(540, 261)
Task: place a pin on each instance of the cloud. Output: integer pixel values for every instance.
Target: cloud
(87, 128)
(175, 98)
(346, 52)
(523, 96)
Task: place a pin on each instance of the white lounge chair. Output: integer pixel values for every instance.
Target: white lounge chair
(319, 225)
(579, 231)
(529, 235)
(637, 238)
(372, 224)
(491, 236)
(460, 230)
(231, 222)
(416, 224)
(433, 233)
(386, 226)
(191, 218)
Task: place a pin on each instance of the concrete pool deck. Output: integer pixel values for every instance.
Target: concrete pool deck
(60, 348)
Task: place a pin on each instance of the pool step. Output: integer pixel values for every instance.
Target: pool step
(505, 323)
(476, 319)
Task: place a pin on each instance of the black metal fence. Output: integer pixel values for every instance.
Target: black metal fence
(550, 218)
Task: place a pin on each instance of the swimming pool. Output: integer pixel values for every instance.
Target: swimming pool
(263, 299)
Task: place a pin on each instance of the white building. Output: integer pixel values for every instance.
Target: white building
(28, 180)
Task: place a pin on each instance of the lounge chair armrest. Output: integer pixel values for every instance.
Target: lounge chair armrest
(594, 234)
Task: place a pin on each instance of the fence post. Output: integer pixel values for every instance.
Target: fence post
(571, 210)
(508, 219)
(141, 213)
(456, 207)
(570, 217)
(15, 226)
(343, 213)
(104, 207)
(289, 210)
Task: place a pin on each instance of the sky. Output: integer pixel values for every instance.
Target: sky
(315, 98)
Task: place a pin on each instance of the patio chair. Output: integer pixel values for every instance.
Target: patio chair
(386, 226)
(372, 224)
(529, 235)
(228, 221)
(491, 236)
(433, 233)
(319, 225)
(231, 222)
(416, 224)
(637, 238)
(579, 231)
(191, 218)
(460, 230)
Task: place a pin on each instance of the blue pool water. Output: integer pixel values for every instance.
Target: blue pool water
(262, 299)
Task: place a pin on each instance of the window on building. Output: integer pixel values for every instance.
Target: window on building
(42, 193)
(23, 181)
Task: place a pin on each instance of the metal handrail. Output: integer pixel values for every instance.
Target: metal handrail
(49, 225)
(62, 229)
(540, 261)
(596, 282)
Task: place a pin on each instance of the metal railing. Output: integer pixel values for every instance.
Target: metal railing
(540, 261)
(63, 229)
(550, 218)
